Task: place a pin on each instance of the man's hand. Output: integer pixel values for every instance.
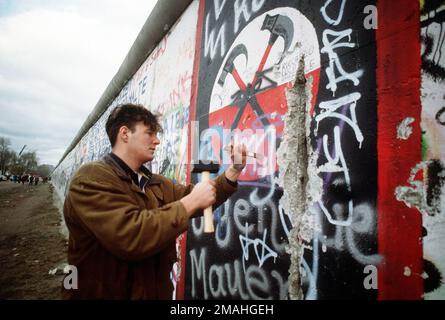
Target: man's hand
(238, 154)
(202, 196)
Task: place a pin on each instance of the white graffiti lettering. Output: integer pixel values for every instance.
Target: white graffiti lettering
(330, 109)
(242, 10)
(198, 266)
(230, 278)
(334, 60)
(341, 10)
(210, 43)
(224, 228)
(219, 6)
(255, 243)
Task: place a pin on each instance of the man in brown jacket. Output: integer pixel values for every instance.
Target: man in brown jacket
(123, 220)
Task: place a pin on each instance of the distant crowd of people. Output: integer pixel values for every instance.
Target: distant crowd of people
(28, 178)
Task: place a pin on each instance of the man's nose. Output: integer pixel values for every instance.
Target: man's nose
(157, 141)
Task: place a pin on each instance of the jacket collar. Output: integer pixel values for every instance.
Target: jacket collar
(125, 172)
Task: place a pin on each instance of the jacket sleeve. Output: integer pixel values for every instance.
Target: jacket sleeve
(223, 191)
(120, 225)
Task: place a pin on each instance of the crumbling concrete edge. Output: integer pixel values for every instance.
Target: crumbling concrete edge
(298, 175)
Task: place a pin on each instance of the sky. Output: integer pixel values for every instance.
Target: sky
(56, 59)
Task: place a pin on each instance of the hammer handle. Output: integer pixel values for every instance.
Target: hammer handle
(208, 212)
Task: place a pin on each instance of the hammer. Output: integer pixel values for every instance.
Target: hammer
(205, 170)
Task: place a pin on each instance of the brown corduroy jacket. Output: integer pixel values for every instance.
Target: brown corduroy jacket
(122, 240)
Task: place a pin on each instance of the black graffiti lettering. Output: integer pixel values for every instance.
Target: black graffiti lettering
(432, 19)
(440, 116)
(432, 68)
(436, 180)
(434, 279)
(431, 5)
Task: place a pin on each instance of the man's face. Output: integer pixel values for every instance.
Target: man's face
(142, 142)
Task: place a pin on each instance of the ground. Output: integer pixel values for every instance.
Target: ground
(31, 244)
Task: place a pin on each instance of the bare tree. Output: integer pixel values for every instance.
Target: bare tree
(5, 153)
(28, 162)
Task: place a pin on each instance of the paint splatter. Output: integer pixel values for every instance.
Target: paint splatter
(404, 130)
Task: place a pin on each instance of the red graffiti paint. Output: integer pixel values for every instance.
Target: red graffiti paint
(398, 81)
(274, 105)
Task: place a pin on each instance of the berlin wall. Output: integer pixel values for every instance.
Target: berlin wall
(345, 100)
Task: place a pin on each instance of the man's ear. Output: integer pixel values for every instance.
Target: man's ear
(123, 133)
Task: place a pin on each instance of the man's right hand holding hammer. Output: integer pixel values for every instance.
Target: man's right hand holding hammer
(203, 194)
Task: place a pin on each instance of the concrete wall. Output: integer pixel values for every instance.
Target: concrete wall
(348, 201)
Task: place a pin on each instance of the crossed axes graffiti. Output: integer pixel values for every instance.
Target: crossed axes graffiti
(279, 26)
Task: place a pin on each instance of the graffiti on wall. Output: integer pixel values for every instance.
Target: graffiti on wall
(433, 148)
(93, 145)
(249, 53)
(249, 56)
(343, 135)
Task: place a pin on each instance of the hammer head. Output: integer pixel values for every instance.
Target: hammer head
(228, 67)
(279, 26)
(201, 167)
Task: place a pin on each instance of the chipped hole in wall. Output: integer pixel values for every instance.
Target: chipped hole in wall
(426, 187)
(407, 271)
(404, 129)
(292, 157)
(298, 177)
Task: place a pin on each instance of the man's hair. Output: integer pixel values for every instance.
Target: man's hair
(128, 115)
